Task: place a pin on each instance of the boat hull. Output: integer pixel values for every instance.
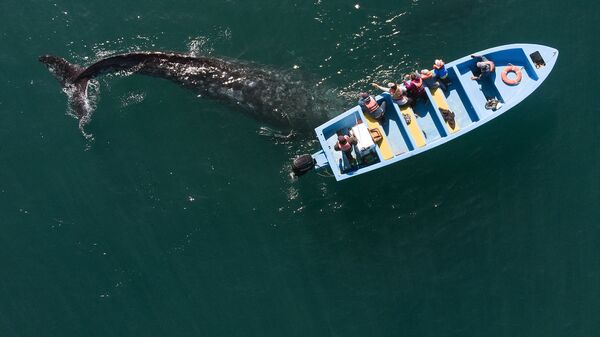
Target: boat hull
(425, 127)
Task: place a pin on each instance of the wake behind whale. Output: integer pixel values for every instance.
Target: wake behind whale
(277, 98)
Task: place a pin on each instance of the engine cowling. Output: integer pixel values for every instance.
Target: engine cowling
(303, 164)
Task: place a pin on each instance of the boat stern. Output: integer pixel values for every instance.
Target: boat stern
(320, 160)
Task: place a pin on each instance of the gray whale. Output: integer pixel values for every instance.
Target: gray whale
(276, 97)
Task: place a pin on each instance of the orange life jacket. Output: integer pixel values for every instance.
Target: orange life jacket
(418, 82)
(371, 104)
(426, 76)
(346, 146)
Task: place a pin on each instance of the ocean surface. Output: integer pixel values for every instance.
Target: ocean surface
(179, 217)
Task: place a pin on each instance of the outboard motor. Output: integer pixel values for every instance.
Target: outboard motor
(303, 164)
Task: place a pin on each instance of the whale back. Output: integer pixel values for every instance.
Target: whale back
(277, 97)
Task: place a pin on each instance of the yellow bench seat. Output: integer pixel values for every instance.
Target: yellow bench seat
(440, 99)
(413, 127)
(384, 145)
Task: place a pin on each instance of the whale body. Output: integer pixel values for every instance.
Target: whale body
(275, 97)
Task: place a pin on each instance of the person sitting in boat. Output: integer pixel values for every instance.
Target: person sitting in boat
(397, 92)
(441, 73)
(484, 67)
(414, 86)
(346, 144)
(430, 80)
(369, 105)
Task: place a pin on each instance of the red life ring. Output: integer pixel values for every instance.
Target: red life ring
(515, 70)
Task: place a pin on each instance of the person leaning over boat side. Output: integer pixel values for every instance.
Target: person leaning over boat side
(398, 93)
(414, 86)
(431, 81)
(369, 105)
(441, 73)
(484, 67)
(346, 144)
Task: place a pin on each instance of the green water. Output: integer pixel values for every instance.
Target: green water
(179, 219)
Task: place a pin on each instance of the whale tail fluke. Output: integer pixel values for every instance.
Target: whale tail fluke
(64, 71)
(74, 85)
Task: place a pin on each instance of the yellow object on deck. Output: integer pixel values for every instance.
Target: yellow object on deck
(413, 127)
(384, 144)
(440, 99)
